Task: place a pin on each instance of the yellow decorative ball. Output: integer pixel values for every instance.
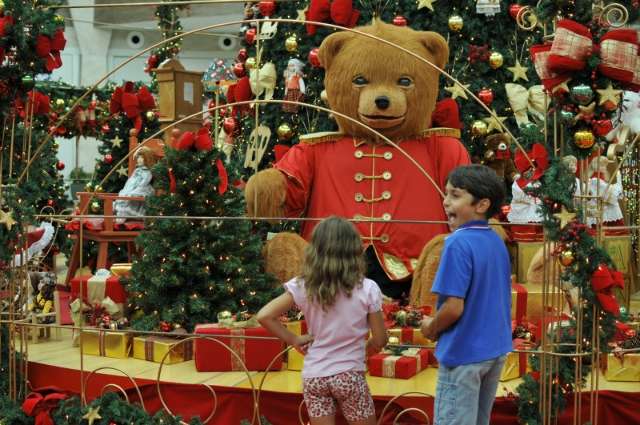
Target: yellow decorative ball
(58, 19)
(566, 258)
(1, 6)
(150, 115)
(291, 44)
(324, 97)
(250, 63)
(284, 132)
(95, 207)
(584, 139)
(496, 60)
(479, 128)
(60, 103)
(455, 23)
(99, 189)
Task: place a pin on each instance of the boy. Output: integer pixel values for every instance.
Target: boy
(473, 320)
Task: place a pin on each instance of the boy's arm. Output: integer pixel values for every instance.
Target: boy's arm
(447, 315)
(269, 317)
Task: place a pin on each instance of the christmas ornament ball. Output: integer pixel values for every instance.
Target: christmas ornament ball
(582, 93)
(514, 10)
(284, 132)
(98, 189)
(400, 21)
(1, 6)
(567, 117)
(496, 60)
(250, 35)
(59, 103)
(323, 96)
(267, 7)
(479, 128)
(250, 63)
(150, 115)
(28, 82)
(486, 96)
(584, 139)
(291, 44)
(95, 207)
(108, 158)
(455, 23)
(58, 19)
(60, 165)
(314, 60)
(566, 257)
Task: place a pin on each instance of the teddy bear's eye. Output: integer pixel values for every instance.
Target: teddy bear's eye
(360, 80)
(404, 81)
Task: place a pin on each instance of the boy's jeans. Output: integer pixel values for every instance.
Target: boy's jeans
(465, 394)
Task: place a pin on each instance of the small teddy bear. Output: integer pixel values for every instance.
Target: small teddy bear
(497, 156)
(43, 284)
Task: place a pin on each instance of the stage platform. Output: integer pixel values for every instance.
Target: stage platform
(56, 362)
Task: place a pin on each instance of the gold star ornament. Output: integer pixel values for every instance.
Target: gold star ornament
(6, 218)
(586, 112)
(457, 90)
(609, 95)
(495, 122)
(518, 71)
(426, 3)
(122, 171)
(92, 415)
(116, 141)
(565, 217)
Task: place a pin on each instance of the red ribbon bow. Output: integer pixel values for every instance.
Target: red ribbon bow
(200, 140)
(446, 114)
(540, 158)
(341, 13)
(126, 99)
(49, 48)
(603, 281)
(39, 404)
(37, 104)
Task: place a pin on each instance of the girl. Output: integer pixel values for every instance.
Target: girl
(340, 306)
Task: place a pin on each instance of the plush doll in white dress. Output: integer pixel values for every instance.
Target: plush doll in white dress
(138, 184)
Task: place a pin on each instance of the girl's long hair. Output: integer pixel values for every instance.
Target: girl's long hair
(334, 261)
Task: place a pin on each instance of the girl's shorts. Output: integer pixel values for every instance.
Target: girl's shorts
(348, 389)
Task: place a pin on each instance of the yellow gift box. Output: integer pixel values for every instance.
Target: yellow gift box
(154, 349)
(625, 368)
(524, 252)
(98, 342)
(295, 360)
(410, 336)
(515, 366)
(534, 298)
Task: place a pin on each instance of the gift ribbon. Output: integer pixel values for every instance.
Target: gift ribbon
(603, 281)
(521, 302)
(238, 345)
(390, 361)
(525, 101)
(263, 80)
(39, 406)
(540, 159)
(341, 12)
(132, 103)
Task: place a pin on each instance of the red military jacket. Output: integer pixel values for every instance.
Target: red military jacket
(332, 174)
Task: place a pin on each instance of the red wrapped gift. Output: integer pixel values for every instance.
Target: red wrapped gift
(412, 361)
(255, 353)
(95, 291)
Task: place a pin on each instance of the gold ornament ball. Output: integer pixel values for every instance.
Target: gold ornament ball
(1, 6)
(88, 187)
(224, 315)
(291, 44)
(58, 19)
(456, 23)
(59, 103)
(566, 258)
(99, 189)
(95, 207)
(250, 63)
(495, 60)
(150, 115)
(479, 128)
(284, 132)
(584, 139)
(324, 97)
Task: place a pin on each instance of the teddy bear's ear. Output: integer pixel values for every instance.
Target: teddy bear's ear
(437, 46)
(331, 46)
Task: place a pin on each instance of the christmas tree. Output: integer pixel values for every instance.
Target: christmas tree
(192, 269)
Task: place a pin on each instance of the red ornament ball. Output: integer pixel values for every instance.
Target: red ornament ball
(230, 125)
(514, 9)
(486, 96)
(60, 165)
(105, 128)
(267, 7)
(53, 116)
(108, 158)
(238, 69)
(51, 202)
(250, 35)
(242, 55)
(314, 60)
(165, 327)
(400, 21)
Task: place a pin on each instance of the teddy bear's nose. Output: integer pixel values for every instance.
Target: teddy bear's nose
(382, 102)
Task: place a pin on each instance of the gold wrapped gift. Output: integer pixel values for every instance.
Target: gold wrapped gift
(625, 368)
(410, 336)
(295, 360)
(121, 269)
(524, 252)
(99, 342)
(534, 298)
(154, 348)
(513, 368)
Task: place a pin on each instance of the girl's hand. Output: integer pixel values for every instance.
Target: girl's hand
(302, 343)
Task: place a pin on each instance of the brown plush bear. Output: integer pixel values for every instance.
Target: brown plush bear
(497, 156)
(353, 173)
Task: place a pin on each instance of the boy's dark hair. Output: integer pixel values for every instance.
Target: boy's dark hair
(481, 182)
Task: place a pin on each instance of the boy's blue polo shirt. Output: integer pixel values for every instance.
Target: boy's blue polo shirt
(475, 266)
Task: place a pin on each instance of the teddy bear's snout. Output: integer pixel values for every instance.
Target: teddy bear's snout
(382, 102)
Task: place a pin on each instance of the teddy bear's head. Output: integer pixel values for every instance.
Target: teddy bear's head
(380, 85)
(497, 147)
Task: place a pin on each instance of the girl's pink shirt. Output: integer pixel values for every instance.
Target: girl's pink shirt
(339, 332)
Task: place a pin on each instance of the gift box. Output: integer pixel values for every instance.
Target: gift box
(523, 254)
(295, 360)
(622, 367)
(410, 362)
(98, 342)
(256, 354)
(619, 249)
(98, 287)
(516, 364)
(526, 302)
(154, 349)
(408, 335)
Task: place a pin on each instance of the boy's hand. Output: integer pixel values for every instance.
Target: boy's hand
(427, 328)
(302, 343)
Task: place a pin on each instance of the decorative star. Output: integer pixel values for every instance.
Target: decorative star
(6, 218)
(92, 415)
(457, 90)
(122, 171)
(116, 141)
(302, 14)
(586, 112)
(565, 217)
(518, 71)
(426, 3)
(562, 87)
(495, 122)
(609, 94)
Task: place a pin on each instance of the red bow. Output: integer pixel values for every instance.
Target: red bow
(603, 280)
(200, 140)
(49, 49)
(126, 99)
(446, 114)
(540, 158)
(39, 404)
(5, 23)
(239, 92)
(341, 13)
(37, 104)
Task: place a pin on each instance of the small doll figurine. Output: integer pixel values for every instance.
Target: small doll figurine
(609, 193)
(138, 184)
(294, 88)
(524, 211)
(572, 163)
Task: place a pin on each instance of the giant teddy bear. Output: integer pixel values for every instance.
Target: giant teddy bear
(352, 173)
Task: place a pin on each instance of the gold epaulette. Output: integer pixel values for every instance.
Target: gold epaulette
(442, 131)
(320, 137)
(328, 136)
